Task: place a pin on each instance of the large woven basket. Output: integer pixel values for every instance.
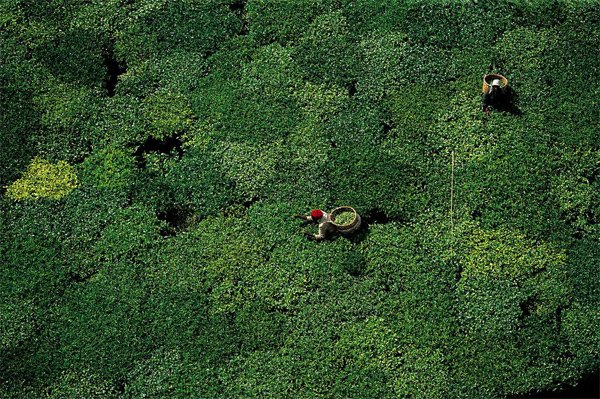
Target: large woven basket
(349, 227)
(489, 78)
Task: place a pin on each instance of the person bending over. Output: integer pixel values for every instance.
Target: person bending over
(495, 98)
(324, 221)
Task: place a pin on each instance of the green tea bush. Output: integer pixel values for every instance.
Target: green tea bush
(257, 107)
(365, 18)
(166, 114)
(361, 171)
(32, 280)
(81, 383)
(523, 54)
(264, 373)
(577, 38)
(113, 291)
(391, 62)
(43, 180)
(169, 373)
(580, 321)
(397, 262)
(251, 168)
(360, 179)
(74, 55)
(18, 120)
(111, 169)
(86, 212)
(122, 122)
(319, 101)
(370, 350)
(302, 181)
(177, 72)
(51, 13)
(199, 26)
(466, 25)
(291, 279)
(18, 322)
(325, 53)
(223, 271)
(215, 91)
(273, 221)
(577, 191)
(282, 22)
(505, 180)
(227, 267)
(69, 122)
(178, 307)
(510, 292)
(421, 141)
(193, 182)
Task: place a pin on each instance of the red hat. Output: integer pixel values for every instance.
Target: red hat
(316, 214)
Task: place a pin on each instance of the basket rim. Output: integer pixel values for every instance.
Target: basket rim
(340, 208)
(497, 76)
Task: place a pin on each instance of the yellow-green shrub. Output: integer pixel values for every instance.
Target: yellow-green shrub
(43, 180)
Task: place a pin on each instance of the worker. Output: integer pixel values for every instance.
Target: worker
(324, 221)
(495, 98)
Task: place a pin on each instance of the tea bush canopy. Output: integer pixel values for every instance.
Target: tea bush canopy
(43, 180)
(153, 153)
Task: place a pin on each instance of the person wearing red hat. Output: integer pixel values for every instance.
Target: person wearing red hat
(324, 221)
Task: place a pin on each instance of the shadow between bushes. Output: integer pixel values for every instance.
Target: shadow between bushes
(164, 146)
(587, 388)
(177, 219)
(114, 70)
(369, 217)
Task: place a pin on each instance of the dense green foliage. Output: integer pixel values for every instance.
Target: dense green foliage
(147, 247)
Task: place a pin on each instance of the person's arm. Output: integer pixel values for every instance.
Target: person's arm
(486, 103)
(322, 234)
(303, 217)
(310, 236)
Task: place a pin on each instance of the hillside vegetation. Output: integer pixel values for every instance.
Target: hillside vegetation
(152, 153)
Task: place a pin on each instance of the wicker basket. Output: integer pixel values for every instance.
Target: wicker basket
(349, 227)
(487, 81)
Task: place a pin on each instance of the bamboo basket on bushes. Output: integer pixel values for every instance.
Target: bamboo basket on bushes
(489, 78)
(347, 227)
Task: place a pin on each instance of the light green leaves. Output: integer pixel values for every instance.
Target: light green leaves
(166, 114)
(43, 180)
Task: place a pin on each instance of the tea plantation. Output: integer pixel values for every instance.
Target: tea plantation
(153, 152)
